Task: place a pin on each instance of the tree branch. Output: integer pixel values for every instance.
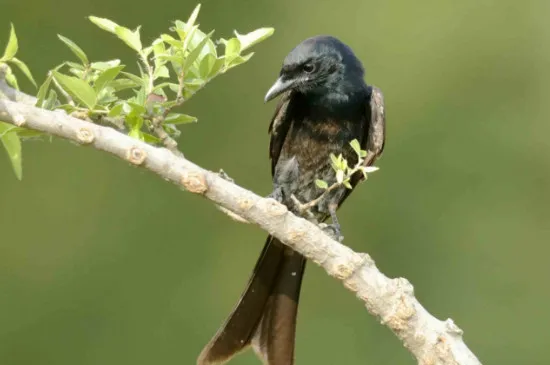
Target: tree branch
(430, 340)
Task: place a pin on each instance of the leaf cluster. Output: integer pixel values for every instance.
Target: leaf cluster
(171, 70)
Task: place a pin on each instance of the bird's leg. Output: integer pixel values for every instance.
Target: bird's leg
(333, 229)
(277, 194)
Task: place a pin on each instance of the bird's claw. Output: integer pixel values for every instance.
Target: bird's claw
(333, 230)
(224, 176)
(276, 194)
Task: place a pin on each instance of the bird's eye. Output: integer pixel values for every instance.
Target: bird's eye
(308, 67)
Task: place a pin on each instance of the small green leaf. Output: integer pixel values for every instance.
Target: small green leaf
(12, 144)
(356, 146)
(23, 67)
(78, 89)
(171, 41)
(191, 57)
(240, 59)
(75, 65)
(206, 65)
(180, 119)
(363, 154)
(187, 36)
(165, 84)
(115, 111)
(43, 90)
(347, 184)
(104, 24)
(102, 66)
(218, 65)
(106, 77)
(340, 176)
(232, 50)
(137, 108)
(11, 47)
(132, 39)
(192, 18)
(75, 49)
(161, 71)
(150, 138)
(11, 79)
(254, 37)
(335, 161)
(122, 84)
(51, 101)
(321, 184)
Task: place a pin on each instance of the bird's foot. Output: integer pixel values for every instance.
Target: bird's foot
(224, 176)
(276, 194)
(333, 230)
(303, 210)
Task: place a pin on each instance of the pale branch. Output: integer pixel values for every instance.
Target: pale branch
(392, 301)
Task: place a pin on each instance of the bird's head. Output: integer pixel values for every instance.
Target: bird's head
(321, 65)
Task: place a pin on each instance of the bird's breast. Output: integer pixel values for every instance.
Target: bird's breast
(305, 156)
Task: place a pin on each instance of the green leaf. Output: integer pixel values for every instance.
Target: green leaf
(138, 80)
(356, 146)
(43, 90)
(11, 47)
(240, 59)
(78, 89)
(132, 39)
(192, 18)
(12, 144)
(187, 36)
(340, 176)
(75, 65)
(123, 84)
(206, 65)
(176, 118)
(106, 77)
(232, 50)
(171, 41)
(161, 71)
(102, 66)
(51, 101)
(115, 111)
(335, 161)
(136, 108)
(254, 37)
(104, 24)
(150, 138)
(217, 67)
(165, 84)
(347, 184)
(11, 79)
(321, 184)
(75, 49)
(23, 67)
(191, 57)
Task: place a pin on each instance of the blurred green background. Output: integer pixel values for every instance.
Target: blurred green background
(102, 263)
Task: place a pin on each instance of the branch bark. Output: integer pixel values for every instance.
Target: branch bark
(430, 340)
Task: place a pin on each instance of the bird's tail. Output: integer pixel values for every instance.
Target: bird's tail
(265, 316)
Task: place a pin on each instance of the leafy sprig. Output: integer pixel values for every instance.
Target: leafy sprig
(343, 173)
(143, 104)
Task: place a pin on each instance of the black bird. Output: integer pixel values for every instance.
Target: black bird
(325, 104)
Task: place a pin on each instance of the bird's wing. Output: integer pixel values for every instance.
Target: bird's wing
(278, 128)
(375, 133)
(374, 136)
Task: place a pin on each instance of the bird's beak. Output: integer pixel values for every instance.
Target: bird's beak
(279, 87)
